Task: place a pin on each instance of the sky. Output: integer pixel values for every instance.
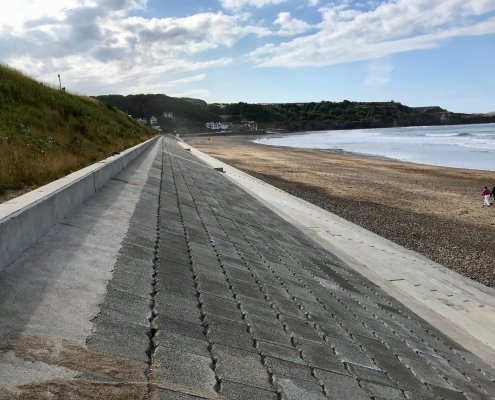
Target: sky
(417, 52)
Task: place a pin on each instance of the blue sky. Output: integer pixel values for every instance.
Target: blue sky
(418, 52)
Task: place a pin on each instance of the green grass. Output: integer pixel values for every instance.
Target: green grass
(47, 133)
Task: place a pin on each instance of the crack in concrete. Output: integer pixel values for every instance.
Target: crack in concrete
(152, 330)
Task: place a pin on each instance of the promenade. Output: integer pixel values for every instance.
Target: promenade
(172, 282)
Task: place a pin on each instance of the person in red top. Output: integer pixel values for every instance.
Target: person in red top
(486, 196)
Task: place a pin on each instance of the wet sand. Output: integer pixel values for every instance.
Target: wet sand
(435, 211)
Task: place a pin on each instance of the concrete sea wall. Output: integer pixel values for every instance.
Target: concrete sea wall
(25, 219)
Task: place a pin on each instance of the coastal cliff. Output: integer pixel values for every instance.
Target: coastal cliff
(194, 113)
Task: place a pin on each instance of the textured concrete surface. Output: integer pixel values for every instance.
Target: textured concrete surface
(51, 294)
(454, 304)
(209, 295)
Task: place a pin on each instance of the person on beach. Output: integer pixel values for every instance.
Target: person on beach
(493, 193)
(486, 196)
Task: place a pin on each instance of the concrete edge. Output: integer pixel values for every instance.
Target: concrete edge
(25, 219)
(448, 327)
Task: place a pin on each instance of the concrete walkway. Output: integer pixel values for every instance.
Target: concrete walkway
(49, 296)
(454, 304)
(172, 282)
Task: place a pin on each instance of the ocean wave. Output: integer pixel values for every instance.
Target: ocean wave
(470, 146)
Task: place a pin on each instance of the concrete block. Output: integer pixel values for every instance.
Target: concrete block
(370, 374)
(179, 326)
(322, 357)
(183, 372)
(291, 354)
(301, 329)
(403, 376)
(226, 324)
(295, 389)
(177, 306)
(237, 391)
(240, 366)
(424, 372)
(351, 352)
(239, 340)
(162, 394)
(338, 387)
(183, 344)
(289, 369)
(273, 333)
(386, 392)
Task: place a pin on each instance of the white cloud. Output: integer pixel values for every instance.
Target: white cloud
(15, 13)
(192, 34)
(89, 76)
(378, 73)
(149, 84)
(189, 79)
(104, 48)
(347, 34)
(194, 93)
(289, 25)
(236, 4)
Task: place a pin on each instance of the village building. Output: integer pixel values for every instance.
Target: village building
(218, 126)
(250, 126)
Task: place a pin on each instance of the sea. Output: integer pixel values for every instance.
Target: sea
(459, 146)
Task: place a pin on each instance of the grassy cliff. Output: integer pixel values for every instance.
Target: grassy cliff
(47, 133)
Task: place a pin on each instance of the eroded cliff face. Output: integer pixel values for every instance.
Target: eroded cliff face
(445, 118)
(406, 119)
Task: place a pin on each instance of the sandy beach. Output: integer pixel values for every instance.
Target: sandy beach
(435, 211)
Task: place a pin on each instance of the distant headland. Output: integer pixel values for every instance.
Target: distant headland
(172, 113)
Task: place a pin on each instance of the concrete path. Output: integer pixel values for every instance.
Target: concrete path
(454, 304)
(50, 295)
(173, 283)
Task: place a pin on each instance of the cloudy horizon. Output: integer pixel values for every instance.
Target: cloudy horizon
(414, 51)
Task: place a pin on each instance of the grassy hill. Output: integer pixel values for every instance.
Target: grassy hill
(47, 133)
(188, 113)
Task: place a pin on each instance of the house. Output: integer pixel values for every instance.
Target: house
(218, 126)
(153, 120)
(168, 115)
(250, 126)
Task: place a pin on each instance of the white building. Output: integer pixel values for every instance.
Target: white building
(153, 120)
(218, 126)
(251, 126)
(168, 114)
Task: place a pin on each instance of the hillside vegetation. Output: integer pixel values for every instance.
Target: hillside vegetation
(188, 113)
(47, 133)
(193, 113)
